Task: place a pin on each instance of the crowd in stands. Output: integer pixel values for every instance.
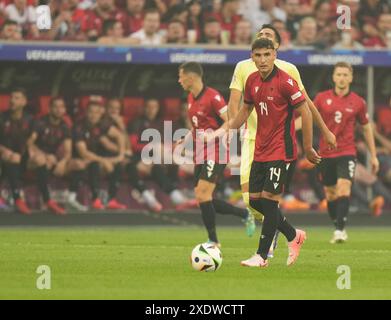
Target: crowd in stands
(94, 115)
(302, 23)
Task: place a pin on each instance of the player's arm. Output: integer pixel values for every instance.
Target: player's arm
(67, 150)
(329, 137)
(386, 143)
(235, 99)
(241, 117)
(31, 147)
(237, 86)
(117, 135)
(370, 141)
(87, 154)
(317, 118)
(307, 129)
(109, 145)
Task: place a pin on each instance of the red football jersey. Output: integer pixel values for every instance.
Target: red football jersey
(205, 113)
(340, 115)
(275, 100)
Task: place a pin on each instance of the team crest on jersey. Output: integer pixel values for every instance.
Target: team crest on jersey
(256, 89)
(329, 101)
(290, 81)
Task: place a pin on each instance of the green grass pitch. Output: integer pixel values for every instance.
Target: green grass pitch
(153, 263)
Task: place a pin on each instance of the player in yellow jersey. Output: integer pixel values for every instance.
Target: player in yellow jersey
(242, 71)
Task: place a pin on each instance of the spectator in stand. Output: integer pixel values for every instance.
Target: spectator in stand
(195, 19)
(177, 12)
(267, 12)
(67, 22)
(211, 31)
(228, 16)
(158, 172)
(94, 19)
(293, 16)
(307, 7)
(382, 39)
(326, 27)
(135, 12)
(284, 33)
(10, 30)
(23, 14)
(242, 34)
(149, 34)
(349, 39)
(368, 15)
(176, 32)
(113, 33)
(306, 36)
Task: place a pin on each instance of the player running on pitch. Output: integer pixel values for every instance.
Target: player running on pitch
(208, 111)
(274, 95)
(341, 109)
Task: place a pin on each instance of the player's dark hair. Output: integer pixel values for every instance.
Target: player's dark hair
(20, 90)
(8, 23)
(271, 27)
(114, 99)
(108, 25)
(262, 44)
(343, 64)
(151, 11)
(54, 99)
(94, 104)
(193, 67)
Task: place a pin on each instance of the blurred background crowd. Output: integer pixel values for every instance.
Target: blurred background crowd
(302, 23)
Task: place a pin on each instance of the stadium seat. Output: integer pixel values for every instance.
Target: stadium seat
(43, 106)
(4, 102)
(132, 108)
(172, 108)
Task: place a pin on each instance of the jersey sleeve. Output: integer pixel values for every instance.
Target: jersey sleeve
(78, 133)
(237, 81)
(219, 104)
(248, 97)
(362, 116)
(295, 74)
(317, 101)
(291, 91)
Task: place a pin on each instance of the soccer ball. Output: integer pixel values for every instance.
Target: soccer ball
(206, 257)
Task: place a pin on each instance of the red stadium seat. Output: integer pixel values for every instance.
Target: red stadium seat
(132, 108)
(4, 102)
(172, 108)
(43, 106)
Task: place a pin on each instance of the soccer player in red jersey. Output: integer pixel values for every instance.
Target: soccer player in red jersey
(87, 138)
(207, 110)
(50, 149)
(341, 109)
(275, 95)
(15, 129)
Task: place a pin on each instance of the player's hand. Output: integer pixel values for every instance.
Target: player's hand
(331, 140)
(375, 165)
(313, 156)
(60, 169)
(107, 165)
